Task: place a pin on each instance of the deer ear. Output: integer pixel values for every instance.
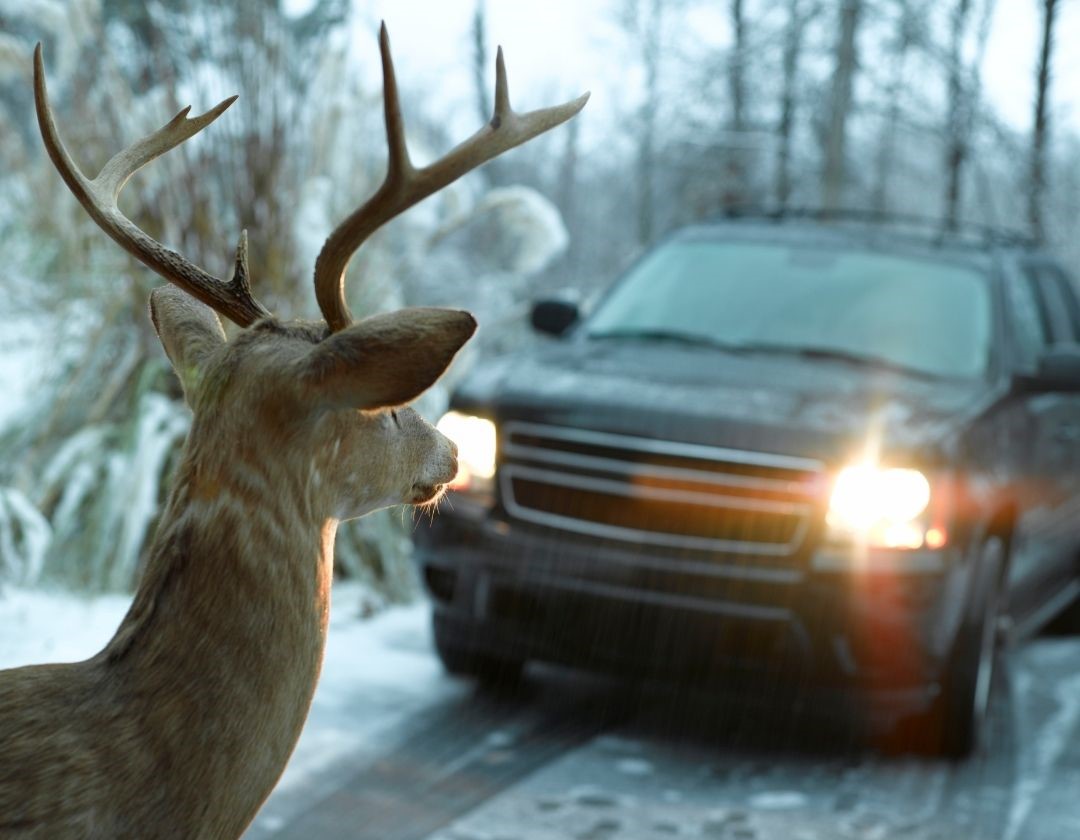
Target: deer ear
(385, 360)
(189, 331)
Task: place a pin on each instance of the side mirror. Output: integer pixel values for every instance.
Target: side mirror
(1058, 371)
(554, 317)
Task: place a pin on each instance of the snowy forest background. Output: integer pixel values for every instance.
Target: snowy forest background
(874, 105)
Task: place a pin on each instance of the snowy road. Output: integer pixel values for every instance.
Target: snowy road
(395, 750)
(572, 758)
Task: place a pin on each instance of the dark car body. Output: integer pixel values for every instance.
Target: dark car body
(661, 507)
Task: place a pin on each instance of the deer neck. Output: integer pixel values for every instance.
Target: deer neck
(227, 630)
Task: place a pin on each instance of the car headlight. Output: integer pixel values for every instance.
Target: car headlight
(882, 507)
(475, 438)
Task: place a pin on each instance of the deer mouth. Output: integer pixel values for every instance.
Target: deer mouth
(425, 493)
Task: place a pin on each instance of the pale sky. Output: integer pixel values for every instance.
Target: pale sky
(1009, 72)
(554, 49)
(558, 48)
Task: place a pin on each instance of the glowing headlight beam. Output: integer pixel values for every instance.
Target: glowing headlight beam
(475, 438)
(866, 497)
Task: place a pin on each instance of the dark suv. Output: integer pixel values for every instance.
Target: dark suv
(825, 448)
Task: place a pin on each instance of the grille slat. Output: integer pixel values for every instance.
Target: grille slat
(658, 493)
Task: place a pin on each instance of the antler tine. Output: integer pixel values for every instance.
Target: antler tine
(99, 198)
(405, 185)
(398, 166)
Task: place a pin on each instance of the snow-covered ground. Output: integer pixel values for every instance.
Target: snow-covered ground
(40, 626)
(394, 749)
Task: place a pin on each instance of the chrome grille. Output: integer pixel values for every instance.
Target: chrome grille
(657, 493)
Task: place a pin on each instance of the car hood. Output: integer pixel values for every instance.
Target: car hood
(810, 407)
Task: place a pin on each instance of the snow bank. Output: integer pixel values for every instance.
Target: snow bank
(41, 626)
(24, 537)
(21, 364)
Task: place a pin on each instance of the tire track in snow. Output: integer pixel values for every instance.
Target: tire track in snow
(670, 770)
(1054, 747)
(457, 757)
(528, 766)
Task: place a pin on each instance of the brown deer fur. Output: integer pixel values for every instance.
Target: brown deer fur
(181, 726)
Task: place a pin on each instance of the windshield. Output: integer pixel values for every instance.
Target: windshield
(917, 314)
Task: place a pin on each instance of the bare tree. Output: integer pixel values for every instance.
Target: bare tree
(736, 160)
(798, 15)
(964, 86)
(494, 173)
(845, 65)
(1041, 128)
(643, 19)
(568, 180)
(957, 116)
(480, 59)
(909, 32)
(737, 67)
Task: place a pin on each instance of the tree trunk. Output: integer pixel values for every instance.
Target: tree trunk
(885, 159)
(793, 41)
(964, 98)
(480, 61)
(958, 118)
(834, 172)
(734, 192)
(737, 68)
(1041, 128)
(491, 172)
(650, 53)
(568, 193)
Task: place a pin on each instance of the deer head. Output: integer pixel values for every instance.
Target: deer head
(320, 398)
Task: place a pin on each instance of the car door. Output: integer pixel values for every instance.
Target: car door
(1055, 421)
(1012, 450)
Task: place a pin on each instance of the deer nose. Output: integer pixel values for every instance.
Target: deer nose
(453, 449)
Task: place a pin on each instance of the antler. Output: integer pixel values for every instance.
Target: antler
(405, 185)
(99, 197)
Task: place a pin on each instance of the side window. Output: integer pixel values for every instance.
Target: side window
(1062, 310)
(1027, 317)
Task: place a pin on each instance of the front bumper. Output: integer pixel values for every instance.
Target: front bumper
(523, 592)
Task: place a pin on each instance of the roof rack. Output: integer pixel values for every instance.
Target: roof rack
(936, 228)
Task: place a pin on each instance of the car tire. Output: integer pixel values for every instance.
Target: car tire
(462, 661)
(1067, 623)
(962, 707)
(953, 725)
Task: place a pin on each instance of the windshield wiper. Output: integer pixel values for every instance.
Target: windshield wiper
(673, 336)
(834, 354)
(778, 348)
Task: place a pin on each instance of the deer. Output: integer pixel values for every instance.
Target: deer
(181, 726)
